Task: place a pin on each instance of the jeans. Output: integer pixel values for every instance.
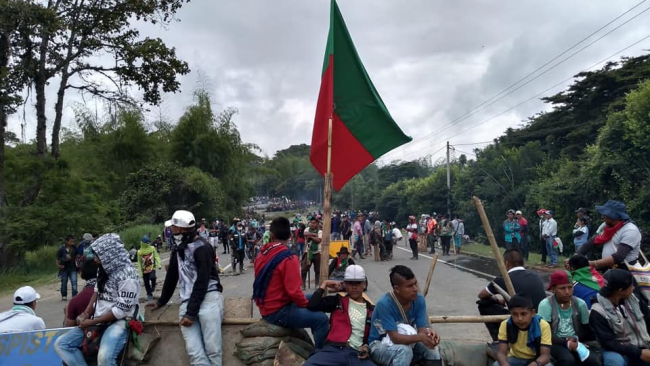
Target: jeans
(149, 282)
(400, 354)
(249, 251)
(358, 245)
(336, 356)
(552, 253)
(564, 357)
(335, 236)
(292, 316)
(72, 275)
(203, 338)
(112, 343)
(458, 239)
(514, 361)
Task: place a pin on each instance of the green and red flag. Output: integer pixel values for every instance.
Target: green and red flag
(362, 128)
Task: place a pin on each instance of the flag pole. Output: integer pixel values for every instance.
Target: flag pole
(327, 210)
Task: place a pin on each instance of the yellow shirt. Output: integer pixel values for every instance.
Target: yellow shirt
(519, 349)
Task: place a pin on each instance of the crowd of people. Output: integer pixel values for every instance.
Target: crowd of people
(596, 313)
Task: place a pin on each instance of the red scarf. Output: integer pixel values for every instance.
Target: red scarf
(608, 233)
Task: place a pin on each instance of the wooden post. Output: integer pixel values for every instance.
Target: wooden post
(327, 211)
(493, 244)
(468, 319)
(434, 260)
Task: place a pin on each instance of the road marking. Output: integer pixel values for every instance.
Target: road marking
(454, 265)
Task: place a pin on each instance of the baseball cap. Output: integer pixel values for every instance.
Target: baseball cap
(87, 237)
(582, 210)
(145, 239)
(25, 295)
(558, 278)
(518, 212)
(354, 273)
(181, 218)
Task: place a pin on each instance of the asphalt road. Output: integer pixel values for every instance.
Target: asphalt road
(453, 290)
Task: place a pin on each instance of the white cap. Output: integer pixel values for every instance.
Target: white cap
(518, 213)
(355, 273)
(25, 295)
(181, 218)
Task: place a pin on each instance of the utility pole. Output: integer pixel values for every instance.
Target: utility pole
(448, 183)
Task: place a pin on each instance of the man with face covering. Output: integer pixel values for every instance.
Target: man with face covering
(114, 301)
(192, 266)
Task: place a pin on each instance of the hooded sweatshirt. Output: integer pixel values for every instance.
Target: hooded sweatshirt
(121, 290)
(148, 259)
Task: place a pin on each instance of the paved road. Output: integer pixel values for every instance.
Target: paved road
(453, 290)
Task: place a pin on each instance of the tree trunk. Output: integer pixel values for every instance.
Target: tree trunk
(58, 109)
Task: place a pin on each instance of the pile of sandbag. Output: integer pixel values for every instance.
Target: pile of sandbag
(261, 341)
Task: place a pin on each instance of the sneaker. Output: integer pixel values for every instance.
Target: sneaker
(149, 297)
(413, 258)
(64, 298)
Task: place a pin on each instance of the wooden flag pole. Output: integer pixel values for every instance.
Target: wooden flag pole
(493, 244)
(434, 260)
(327, 211)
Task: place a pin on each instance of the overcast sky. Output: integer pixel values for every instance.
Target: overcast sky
(431, 61)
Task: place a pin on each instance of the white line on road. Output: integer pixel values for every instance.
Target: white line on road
(453, 264)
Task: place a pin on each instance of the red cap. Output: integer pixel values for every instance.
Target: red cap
(541, 211)
(558, 278)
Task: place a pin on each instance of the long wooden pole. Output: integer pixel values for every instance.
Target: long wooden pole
(432, 320)
(493, 244)
(434, 260)
(327, 210)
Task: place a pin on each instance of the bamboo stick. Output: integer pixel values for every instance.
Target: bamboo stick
(434, 260)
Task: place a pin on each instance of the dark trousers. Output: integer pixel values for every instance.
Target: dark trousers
(544, 253)
(238, 256)
(150, 282)
(524, 245)
(491, 307)
(446, 244)
(514, 244)
(431, 243)
(307, 266)
(414, 247)
(337, 356)
(563, 357)
(226, 247)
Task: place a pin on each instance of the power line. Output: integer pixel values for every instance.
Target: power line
(491, 100)
(475, 143)
(540, 93)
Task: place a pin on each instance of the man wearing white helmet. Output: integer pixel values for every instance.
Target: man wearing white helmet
(192, 266)
(21, 317)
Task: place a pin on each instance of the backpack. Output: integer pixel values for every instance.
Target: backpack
(388, 235)
(445, 229)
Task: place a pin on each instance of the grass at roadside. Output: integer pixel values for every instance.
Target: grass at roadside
(486, 251)
(39, 266)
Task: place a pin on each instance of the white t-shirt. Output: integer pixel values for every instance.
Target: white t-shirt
(397, 233)
(628, 234)
(412, 226)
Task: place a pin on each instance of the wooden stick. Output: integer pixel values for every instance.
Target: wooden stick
(434, 260)
(501, 291)
(327, 211)
(468, 319)
(493, 244)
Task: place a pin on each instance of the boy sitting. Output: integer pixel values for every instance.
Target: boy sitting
(524, 338)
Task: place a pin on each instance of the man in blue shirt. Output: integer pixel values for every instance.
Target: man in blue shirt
(237, 246)
(400, 332)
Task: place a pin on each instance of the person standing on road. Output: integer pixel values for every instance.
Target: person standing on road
(114, 303)
(223, 234)
(541, 213)
(357, 237)
(313, 238)
(148, 261)
(458, 235)
(432, 226)
(412, 229)
(276, 291)
(524, 281)
(336, 227)
(237, 239)
(367, 229)
(446, 233)
(400, 331)
(524, 245)
(511, 229)
(22, 317)
(66, 261)
(253, 239)
(549, 234)
(349, 322)
(193, 268)
(346, 227)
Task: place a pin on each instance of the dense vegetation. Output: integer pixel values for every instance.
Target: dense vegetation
(593, 146)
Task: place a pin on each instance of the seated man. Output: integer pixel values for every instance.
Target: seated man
(339, 265)
(394, 340)
(569, 320)
(621, 322)
(21, 317)
(277, 291)
(524, 281)
(79, 303)
(524, 338)
(349, 322)
(586, 280)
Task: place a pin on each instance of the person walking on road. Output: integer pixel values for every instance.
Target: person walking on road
(432, 227)
(459, 233)
(412, 229)
(276, 291)
(524, 245)
(446, 233)
(148, 261)
(66, 261)
(357, 238)
(22, 316)
(193, 269)
(237, 239)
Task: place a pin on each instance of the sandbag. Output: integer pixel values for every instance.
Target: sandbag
(257, 349)
(287, 357)
(264, 363)
(463, 354)
(265, 329)
(137, 356)
(299, 346)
